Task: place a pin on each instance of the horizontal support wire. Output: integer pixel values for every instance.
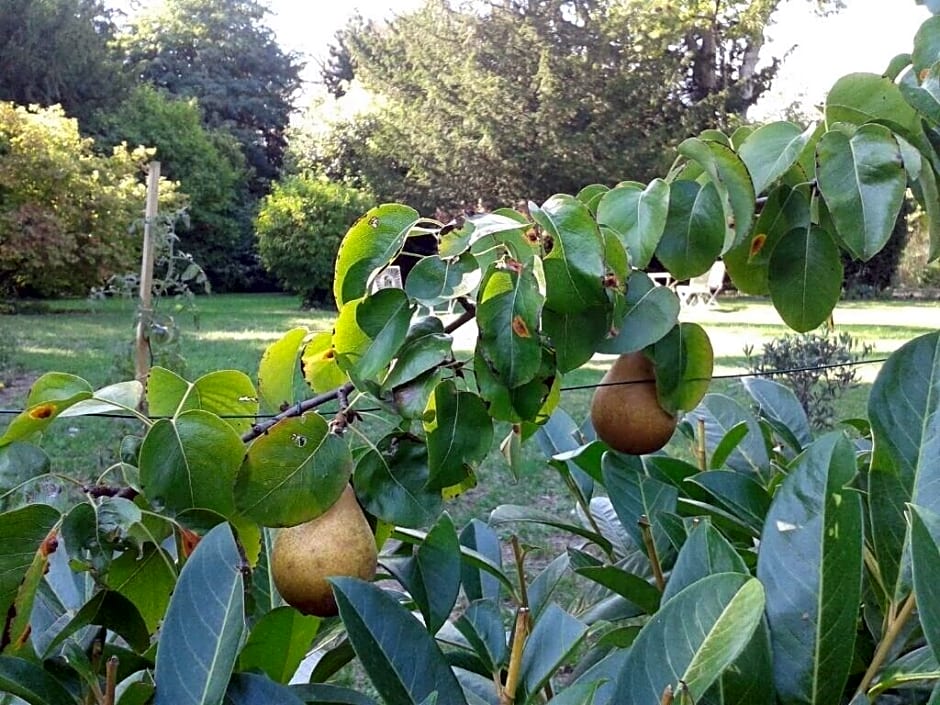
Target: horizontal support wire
(577, 387)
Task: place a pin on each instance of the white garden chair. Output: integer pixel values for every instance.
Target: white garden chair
(703, 289)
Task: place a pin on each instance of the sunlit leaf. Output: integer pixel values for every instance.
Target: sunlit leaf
(574, 267)
(684, 362)
(371, 243)
(278, 370)
(318, 362)
(771, 150)
(693, 638)
(278, 642)
(638, 215)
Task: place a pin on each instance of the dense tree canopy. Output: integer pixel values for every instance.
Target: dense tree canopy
(523, 98)
(207, 164)
(222, 53)
(57, 51)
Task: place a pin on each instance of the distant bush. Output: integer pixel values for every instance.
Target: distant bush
(820, 368)
(299, 228)
(65, 211)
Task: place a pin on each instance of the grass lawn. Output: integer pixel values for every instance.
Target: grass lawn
(233, 331)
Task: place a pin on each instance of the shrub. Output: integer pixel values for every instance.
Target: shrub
(821, 369)
(64, 210)
(299, 228)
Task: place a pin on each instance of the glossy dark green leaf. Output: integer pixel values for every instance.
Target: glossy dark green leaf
(112, 611)
(705, 552)
(778, 402)
(927, 193)
(925, 564)
(22, 532)
(904, 409)
(377, 626)
(737, 493)
(575, 336)
(555, 636)
(805, 277)
(391, 481)
(693, 638)
(730, 176)
(694, 233)
(771, 150)
(194, 663)
(721, 413)
(684, 361)
(915, 666)
(638, 215)
(426, 346)
(459, 434)
(293, 473)
(508, 310)
(190, 462)
(32, 683)
(635, 495)
(629, 586)
(371, 243)
(147, 580)
(652, 311)
(543, 587)
(859, 98)
(862, 179)
(278, 370)
(432, 574)
(786, 208)
(482, 626)
(255, 689)
(574, 267)
(278, 642)
(810, 563)
(369, 332)
(435, 280)
(479, 584)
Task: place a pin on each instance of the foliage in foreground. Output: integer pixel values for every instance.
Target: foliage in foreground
(781, 567)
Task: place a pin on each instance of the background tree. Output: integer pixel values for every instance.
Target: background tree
(522, 99)
(222, 53)
(208, 165)
(57, 51)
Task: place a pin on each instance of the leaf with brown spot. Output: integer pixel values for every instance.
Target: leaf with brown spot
(757, 244)
(520, 328)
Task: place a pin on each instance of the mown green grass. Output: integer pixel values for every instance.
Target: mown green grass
(232, 331)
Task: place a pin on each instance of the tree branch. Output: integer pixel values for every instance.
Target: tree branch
(300, 408)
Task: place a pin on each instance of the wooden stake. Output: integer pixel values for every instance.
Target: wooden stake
(145, 311)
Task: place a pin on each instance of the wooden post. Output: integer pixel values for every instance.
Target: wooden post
(145, 310)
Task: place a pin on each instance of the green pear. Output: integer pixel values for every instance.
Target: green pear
(339, 542)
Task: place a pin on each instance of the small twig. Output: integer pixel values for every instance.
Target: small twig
(110, 684)
(519, 556)
(701, 452)
(508, 694)
(887, 642)
(644, 524)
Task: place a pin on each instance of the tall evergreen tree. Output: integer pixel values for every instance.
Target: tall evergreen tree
(222, 53)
